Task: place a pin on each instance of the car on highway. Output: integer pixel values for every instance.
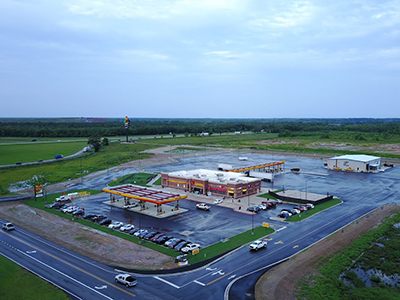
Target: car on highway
(258, 244)
(190, 247)
(115, 225)
(8, 226)
(126, 279)
(126, 227)
(203, 206)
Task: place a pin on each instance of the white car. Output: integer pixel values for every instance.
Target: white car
(70, 209)
(8, 226)
(62, 198)
(126, 279)
(310, 206)
(258, 245)
(190, 247)
(202, 206)
(115, 225)
(126, 227)
(218, 201)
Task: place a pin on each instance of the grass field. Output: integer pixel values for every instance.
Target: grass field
(66, 169)
(12, 153)
(17, 283)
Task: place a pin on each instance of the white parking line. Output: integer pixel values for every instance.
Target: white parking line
(198, 282)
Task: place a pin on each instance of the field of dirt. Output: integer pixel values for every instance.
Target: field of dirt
(278, 283)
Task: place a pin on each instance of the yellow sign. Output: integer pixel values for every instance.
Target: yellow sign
(265, 224)
(195, 251)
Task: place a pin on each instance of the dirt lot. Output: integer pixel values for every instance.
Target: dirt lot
(278, 283)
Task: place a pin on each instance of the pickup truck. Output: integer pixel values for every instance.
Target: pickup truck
(258, 245)
(202, 206)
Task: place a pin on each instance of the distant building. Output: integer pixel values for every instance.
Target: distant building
(355, 163)
(208, 182)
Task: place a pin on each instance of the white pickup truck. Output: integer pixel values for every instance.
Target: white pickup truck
(203, 206)
(258, 245)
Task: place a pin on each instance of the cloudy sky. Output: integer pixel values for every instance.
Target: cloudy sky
(200, 58)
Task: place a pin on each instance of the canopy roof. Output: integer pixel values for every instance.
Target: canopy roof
(144, 194)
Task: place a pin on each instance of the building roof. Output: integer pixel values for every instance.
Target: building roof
(144, 194)
(214, 176)
(356, 157)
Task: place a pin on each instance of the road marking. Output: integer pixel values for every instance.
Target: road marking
(231, 277)
(209, 269)
(218, 272)
(100, 287)
(69, 264)
(284, 227)
(198, 282)
(167, 282)
(280, 242)
(295, 246)
(31, 252)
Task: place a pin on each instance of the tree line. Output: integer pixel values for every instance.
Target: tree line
(115, 127)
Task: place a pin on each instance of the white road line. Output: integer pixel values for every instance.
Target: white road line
(167, 282)
(198, 282)
(69, 277)
(284, 227)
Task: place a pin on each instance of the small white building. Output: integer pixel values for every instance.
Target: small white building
(355, 163)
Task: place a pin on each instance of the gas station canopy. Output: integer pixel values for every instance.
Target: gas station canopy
(144, 194)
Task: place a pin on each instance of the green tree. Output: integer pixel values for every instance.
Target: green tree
(95, 142)
(105, 142)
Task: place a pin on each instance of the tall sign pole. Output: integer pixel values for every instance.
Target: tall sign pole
(126, 124)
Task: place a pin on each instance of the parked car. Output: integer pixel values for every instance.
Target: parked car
(270, 204)
(70, 209)
(8, 226)
(259, 244)
(57, 205)
(300, 208)
(202, 206)
(90, 216)
(253, 209)
(285, 214)
(99, 218)
(126, 280)
(263, 206)
(105, 222)
(115, 225)
(126, 227)
(150, 234)
(63, 198)
(79, 212)
(180, 245)
(161, 240)
(218, 201)
(172, 242)
(295, 211)
(141, 233)
(310, 206)
(190, 247)
(158, 235)
(133, 231)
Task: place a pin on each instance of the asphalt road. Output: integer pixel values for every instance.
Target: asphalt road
(233, 276)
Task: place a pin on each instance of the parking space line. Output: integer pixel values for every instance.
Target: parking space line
(167, 282)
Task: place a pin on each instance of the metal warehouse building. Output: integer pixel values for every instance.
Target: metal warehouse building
(208, 182)
(355, 163)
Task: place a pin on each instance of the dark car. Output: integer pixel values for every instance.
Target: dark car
(158, 235)
(162, 239)
(131, 232)
(253, 209)
(79, 212)
(99, 218)
(18, 163)
(90, 216)
(105, 222)
(149, 235)
(180, 245)
(40, 160)
(57, 205)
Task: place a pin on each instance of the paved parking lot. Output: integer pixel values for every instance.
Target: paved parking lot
(230, 217)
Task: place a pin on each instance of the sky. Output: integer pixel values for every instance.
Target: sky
(200, 58)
